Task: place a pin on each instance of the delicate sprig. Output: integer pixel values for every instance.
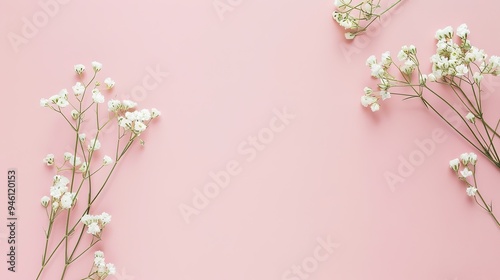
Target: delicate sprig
(356, 18)
(465, 169)
(83, 163)
(458, 66)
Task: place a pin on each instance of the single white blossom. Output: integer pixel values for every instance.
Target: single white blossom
(83, 167)
(79, 68)
(44, 102)
(106, 160)
(68, 156)
(96, 66)
(78, 89)
(93, 228)
(470, 116)
(45, 201)
(82, 137)
(464, 158)
(349, 35)
(97, 96)
(114, 105)
(367, 100)
(471, 191)
(466, 173)
(67, 200)
(462, 31)
(128, 104)
(109, 83)
(49, 159)
(155, 113)
(455, 164)
(472, 158)
(375, 107)
(105, 218)
(94, 145)
(139, 127)
(75, 114)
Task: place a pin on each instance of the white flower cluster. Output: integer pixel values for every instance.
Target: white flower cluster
(468, 162)
(456, 59)
(452, 59)
(60, 197)
(349, 15)
(379, 70)
(135, 121)
(61, 100)
(75, 161)
(103, 269)
(95, 224)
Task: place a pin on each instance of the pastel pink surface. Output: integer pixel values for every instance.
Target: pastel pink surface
(322, 175)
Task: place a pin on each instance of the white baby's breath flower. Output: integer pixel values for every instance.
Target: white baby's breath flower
(105, 218)
(110, 268)
(114, 105)
(44, 102)
(155, 113)
(93, 228)
(55, 205)
(139, 127)
(61, 102)
(461, 70)
(67, 200)
(385, 94)
(464, 158)
(478, 77)
(431, 77)
(471, 191)
(128, 104)
(45, 201)
(472, 158)
(367, 100)
(79, 68)
(349, 35)
(94, 145)
(82, 137)
(109, 83)
(78, 89)
(455, 164)
(96, 66)
(144, 115)
(97, 96)
(386, 59)
(462, 31)
(49, 159)
(106, 160)
(75, 161)
(377, 70)
(375, 107)
(67, 156)
(470, 116)
(87, 219)
(99, 254)
(124, 123)
(371, 60)
(466, 173)
(83, 167)
(74, 114)
(422, 79)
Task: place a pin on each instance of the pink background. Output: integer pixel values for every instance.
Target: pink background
(323, 175)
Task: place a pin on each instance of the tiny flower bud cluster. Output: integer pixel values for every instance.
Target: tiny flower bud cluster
(102, 268)
(60, 197)
(464, 168)
(95, 224)
(452, 60)
(352, 16)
